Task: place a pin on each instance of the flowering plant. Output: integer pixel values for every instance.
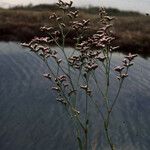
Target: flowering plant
(75, 72)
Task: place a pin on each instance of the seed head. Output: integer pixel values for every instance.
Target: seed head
(124, 75)
(119, 68)
(61, 100)
(130, 56)
(101, 58)
(56, 89)
(47, 75)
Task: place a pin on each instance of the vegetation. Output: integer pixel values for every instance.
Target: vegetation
(132, 29)
(90, 9)
(75, 73)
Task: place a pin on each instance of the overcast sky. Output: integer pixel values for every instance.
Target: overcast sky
(135, 5)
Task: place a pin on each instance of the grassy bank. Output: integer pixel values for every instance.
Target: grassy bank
(132, 29)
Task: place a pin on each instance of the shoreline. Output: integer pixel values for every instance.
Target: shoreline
(132, 32)
(124, 46)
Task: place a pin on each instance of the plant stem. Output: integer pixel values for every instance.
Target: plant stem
(107, 136)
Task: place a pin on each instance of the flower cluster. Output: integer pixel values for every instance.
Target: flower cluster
(127, 62)
(90, 54)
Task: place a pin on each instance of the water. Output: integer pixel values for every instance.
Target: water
(31, 119)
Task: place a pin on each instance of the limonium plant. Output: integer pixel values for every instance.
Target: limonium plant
(75, 72)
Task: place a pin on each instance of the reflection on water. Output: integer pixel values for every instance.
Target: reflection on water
(31, 119)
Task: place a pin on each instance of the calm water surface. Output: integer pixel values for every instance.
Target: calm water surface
(31, 119)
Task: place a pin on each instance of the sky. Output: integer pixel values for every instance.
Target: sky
(134, 5)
